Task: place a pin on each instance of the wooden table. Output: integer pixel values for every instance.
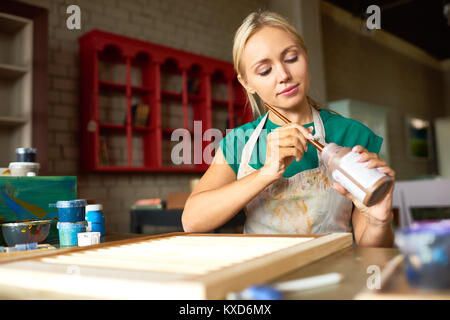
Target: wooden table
(352, 263)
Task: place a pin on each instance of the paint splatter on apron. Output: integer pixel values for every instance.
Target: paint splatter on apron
(303, 204)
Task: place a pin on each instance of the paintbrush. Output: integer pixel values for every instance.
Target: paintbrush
(315, 143)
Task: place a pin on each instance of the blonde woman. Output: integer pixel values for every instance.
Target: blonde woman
(268, 167)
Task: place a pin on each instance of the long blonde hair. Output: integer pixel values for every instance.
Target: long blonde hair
(252, 23)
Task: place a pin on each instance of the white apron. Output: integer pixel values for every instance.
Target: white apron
(303, 204)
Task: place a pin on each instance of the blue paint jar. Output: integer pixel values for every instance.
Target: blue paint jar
(95, 218)
(71, 210)
(68, 232)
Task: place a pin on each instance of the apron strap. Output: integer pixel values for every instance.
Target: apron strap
(320, 131)
(248, 148)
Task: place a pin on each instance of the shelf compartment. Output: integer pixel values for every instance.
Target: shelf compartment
(137, 156)
(113, 86)
(15, 97)
(113, 148)
(171, 95)
(141, 129)
(181, 154)
(121, 87)
(112, 107)
(220, 119)
(112, 65)
(120, 127)
(140, 69)
(141, 90)
(171, 76)
(16, 85)
(195, 98)
(8, 71)
(16, 35)
(219, 103)
(169, 131)
(112, 126)
(219, 86)
(172, 114)
(12, 24)
(12, 121)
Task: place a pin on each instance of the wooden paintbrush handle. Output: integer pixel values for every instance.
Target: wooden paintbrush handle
(315, 143)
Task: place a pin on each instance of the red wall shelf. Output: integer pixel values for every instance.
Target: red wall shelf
(179, 87)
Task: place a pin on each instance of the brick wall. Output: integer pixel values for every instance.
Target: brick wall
(199, 26)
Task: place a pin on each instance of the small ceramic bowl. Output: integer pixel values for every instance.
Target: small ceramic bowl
(28, 231)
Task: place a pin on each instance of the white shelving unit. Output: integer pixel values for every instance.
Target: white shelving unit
(16, 67)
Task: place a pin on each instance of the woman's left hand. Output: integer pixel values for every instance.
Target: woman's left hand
(382, 211)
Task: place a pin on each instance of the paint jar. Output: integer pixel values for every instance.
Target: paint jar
(426, 248)
(22, 169)
(26, 154)
(95, 218)
(71, 210)
(68, 232)
(367, 185)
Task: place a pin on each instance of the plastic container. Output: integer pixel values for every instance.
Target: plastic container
(88, 238)
(71, 210)
(68, 232)
(367, 185)
(26, 154)
(426, 248)
(21, 169)
(95, 218)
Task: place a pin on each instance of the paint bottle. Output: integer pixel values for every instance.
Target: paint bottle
(95, 218)
(367, 185)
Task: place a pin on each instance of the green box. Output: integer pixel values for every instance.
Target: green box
(25, 198)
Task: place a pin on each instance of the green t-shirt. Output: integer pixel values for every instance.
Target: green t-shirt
(340, 130)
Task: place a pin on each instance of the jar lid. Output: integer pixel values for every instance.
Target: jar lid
(94, 207)
(71, 203)
(25, 150)
(24, 164)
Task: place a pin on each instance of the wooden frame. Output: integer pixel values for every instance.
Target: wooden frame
(95, 273)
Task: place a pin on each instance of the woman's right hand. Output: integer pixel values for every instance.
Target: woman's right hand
(283, 145)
